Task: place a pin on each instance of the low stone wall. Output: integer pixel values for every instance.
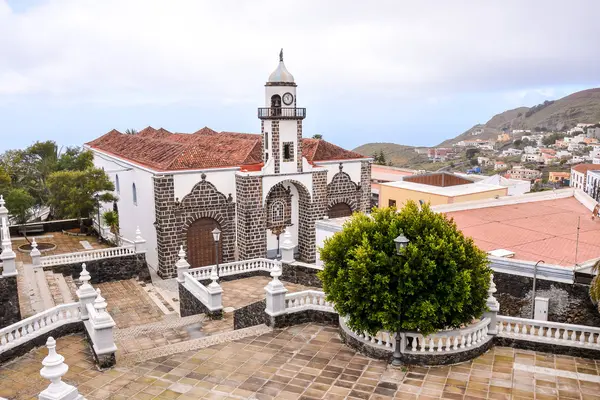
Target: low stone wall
(301, 317)
(109, 269)
(569, 303)
(300, 275)
(51, 226)
(10, 311)
(23, 348)
(191, 305)
(250, 315)
(103, 361)
(547, 347)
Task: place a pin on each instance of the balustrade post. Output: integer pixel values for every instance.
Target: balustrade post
(493, 306)
(85, 293)
(102, 324)
(287, 248)
(215, 294)
(54, 369)
(8, 256)
(35, 254)
(139, 242)
(275, 293)
(181, 265)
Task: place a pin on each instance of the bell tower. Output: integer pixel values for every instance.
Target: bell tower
(281, 123)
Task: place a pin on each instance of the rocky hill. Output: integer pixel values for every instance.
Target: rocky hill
(579, 107)
(399, 155)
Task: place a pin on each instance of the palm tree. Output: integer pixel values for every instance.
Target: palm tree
(111, 219)
(131, 132)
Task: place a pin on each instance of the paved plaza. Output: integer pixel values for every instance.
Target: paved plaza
(64, 244)
(306, 362)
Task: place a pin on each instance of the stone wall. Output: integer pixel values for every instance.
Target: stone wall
(275, 150)
(569, 303)
(173, 218)
(251, 223)
(308, 213)
(365, 186)
(299, 149)
(301, 275)
(343, 190)
(191, 305)
(52, 226)
(302, 317)
(250, 315)
(109, 269)
(10, 311)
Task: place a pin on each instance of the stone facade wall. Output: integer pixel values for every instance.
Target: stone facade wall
(275, 146)
(299, 149)
(308, 213)
(279, 193)
(10, 311)
(251, 218)
(300, 275)
(343, 190)
(302, 317)
(365, 186)
(569, 303)
(108, 269)
(174, 217)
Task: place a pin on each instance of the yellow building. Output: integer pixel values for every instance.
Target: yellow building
(504, 137)
(558, 176)
(436, 188)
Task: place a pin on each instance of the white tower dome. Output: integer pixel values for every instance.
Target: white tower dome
(281, 74)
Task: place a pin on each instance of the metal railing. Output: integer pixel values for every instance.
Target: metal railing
(281, 113)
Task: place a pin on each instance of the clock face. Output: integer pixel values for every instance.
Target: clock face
(288, 98)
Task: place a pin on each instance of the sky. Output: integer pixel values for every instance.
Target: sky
(408, 72)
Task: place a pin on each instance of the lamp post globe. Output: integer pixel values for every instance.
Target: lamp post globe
(400, 242)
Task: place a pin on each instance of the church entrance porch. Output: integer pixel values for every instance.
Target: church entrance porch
(201, 244)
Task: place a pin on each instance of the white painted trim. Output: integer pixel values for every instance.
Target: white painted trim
(327, 162)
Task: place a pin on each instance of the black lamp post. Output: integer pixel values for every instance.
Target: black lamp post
(216, 236)
(400, 242)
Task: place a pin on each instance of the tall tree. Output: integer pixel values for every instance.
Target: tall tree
(20, 205)
(438, 281)
(72, 192)
(75, 159)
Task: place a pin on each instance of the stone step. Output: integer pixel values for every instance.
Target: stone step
(72, 286)
(65, 292)
(45, 294)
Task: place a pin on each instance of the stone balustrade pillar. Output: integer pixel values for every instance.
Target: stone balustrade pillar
(35, 254)
(287, 248)
(54, 369)
(85, 293)
(8, 256)
(275, 293)
(181, 266)
(493, 306)
(139, 241)
(102, 324)
(215, 291)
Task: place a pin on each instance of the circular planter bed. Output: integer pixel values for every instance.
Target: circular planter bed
(42, 247)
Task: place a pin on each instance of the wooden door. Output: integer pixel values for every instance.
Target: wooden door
(201, 244)
(339, 210)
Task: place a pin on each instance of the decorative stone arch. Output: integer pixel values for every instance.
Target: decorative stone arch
(339, 209)
(342, 189)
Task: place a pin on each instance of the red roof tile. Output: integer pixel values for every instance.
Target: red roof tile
(162, 150)
(545, 230)
(583, 168)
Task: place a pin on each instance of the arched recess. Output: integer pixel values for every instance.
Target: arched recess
(342, 190)
(201, 244)
(339, 210)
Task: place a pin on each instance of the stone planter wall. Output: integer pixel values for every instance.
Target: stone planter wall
(569, 303)
(109, 269)
(300, 275)
(10, 311)
(191, 305)
(250, 315)
(302, 317)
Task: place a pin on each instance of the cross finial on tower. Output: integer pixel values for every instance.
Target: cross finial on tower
(281, 55)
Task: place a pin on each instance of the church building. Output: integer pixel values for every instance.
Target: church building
(178, 187)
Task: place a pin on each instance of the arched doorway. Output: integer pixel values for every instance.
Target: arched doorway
(339, 210)
(201, 244)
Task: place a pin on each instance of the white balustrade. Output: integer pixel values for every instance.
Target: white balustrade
(307, 300)
(85, 256)
(36, 325)
(454, 340)
(382, 340)
(549, 332)
(210, 296)
(234, 268)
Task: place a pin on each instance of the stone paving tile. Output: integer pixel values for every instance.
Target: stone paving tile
(305, 362)
(241, 292)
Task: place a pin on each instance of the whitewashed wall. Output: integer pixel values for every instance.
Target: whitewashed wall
(352, 168)
(224, 181)
(324, 229)
(288, 132)
(130, 215)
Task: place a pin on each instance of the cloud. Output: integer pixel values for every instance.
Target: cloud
(165, 51)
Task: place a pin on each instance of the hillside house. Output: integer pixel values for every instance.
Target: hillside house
(558, 177)
(499, 165)
(520, 172)
(579, 175)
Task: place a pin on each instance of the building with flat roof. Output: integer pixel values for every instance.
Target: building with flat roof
(383, 174)
(437, 188)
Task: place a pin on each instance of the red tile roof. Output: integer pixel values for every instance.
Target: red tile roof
(162, 150)
(583, 168)
(542, 230)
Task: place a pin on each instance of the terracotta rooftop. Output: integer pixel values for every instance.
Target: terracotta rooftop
(583, 168)
(162, 150)
(542, 230)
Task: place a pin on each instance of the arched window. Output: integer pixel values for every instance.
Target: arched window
(134, 192)
(276, 104)
(117, 184)
(277, 210)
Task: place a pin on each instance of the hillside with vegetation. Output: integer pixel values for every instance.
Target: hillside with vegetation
(393, 154)
(551, 115)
